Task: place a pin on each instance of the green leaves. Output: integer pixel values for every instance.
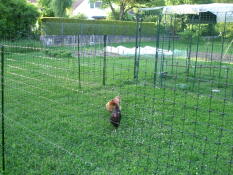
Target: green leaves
(59, 7)
(120, 8)
(17, 18)
(55, 7)
(177, 2)
(53, 26)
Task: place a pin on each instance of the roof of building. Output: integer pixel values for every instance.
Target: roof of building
(223, 11)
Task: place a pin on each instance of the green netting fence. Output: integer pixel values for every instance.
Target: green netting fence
(175, 84)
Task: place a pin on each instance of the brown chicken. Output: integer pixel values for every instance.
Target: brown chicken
(114, 107)
(112, 104)
(115, 118)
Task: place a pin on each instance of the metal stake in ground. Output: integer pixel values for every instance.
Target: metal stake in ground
(137, 46)
(157, 47)
(104, 64)
(2, 111)
(79, 66)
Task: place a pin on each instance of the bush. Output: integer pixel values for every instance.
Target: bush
(150, 18)
(186, 35)
(228, 27)
(204, 29)
(127, 17)
(58, 53)
(196, 30)
(46, 8)
(68, 26)
(47, 12)
(17, 18)
(80, 16)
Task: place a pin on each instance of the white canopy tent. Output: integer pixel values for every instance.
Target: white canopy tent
(223, 11)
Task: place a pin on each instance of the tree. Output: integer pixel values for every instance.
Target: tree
(156, 3)
(177, 2)
(46, 8)
(222, 1)
(123, 6)
(60, 6)
(17, 18)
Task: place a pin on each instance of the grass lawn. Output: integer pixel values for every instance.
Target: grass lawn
(57, 124)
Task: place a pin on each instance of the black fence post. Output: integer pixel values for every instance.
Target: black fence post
(104, 64)
(197, 52)
(137, 46)
(79, 62)
(189, 51)
(2, 110)
(222, 49)
(157, 50)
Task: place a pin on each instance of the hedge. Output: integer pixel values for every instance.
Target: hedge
(68, 26)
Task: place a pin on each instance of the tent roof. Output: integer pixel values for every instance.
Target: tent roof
(223, 11)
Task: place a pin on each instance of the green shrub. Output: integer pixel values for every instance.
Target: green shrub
(17, 18)
(46, 7)
(228, 29)
(197, 30)
(69, 26)
(150, 18)
(186, 35)
(58, 53)
(126, 17)
(204, 29)
(80, 16)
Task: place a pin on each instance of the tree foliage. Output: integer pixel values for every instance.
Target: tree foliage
(123, 6)
(154, 3)
(60, 6)
(177, 2)
(46, 8)
(222, 1)
(17, 18)
(52, 8)
(80, 16)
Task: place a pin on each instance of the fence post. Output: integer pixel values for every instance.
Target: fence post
(157, 52)
(2, 110)
(222, 49)
(79, 62)
(137, 46)
(104, 64)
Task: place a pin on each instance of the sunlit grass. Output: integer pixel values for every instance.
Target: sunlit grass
(174, 125)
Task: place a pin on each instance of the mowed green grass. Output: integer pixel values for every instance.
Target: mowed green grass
(176, 126)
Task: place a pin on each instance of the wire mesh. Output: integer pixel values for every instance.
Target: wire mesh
(177, 101)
